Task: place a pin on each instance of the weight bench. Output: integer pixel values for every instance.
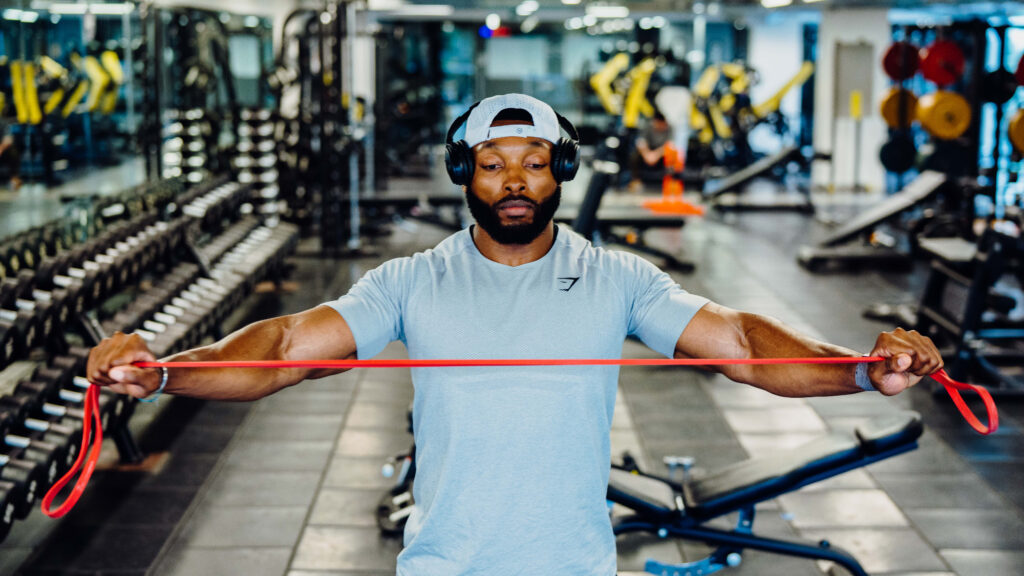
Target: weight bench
(668, 508)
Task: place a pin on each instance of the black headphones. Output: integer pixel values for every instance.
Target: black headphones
(458, 157)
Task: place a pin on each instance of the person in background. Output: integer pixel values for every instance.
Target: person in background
(649, 150)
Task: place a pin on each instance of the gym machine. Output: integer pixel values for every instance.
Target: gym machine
(189, 102)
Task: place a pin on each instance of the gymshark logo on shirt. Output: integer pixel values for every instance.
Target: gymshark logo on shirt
(565, 284)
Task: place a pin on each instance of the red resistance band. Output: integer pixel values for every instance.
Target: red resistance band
(92, 425)
(92, 397)
(952, 386)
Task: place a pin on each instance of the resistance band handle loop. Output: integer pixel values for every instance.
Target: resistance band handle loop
(953, 388)
(92, 425)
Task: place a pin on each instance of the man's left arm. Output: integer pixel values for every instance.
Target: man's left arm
(719, 332)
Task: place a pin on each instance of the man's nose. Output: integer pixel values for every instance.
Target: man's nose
(514, 182)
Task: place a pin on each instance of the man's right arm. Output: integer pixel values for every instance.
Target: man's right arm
(318, 333)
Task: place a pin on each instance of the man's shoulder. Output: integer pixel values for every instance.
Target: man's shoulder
(612, 262)
(450, 247)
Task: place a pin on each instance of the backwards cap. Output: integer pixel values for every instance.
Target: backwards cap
(479, 129)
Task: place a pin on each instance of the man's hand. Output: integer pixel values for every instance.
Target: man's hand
(110, 365)
(909, 357)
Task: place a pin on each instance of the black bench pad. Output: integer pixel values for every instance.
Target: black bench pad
(762, 478)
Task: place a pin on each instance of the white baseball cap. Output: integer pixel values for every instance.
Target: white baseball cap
(479, 129)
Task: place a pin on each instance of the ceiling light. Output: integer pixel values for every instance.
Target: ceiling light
(493, 21)
(607, 11)
(422, 10)
(570, 2)
(527, 7)
(111, 9)
(775, 3)
(529, 24)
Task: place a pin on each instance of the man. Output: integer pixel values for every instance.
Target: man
(649, 149)
(512, 463)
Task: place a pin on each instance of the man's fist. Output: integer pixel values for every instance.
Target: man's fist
(909, 357)
(110, 365)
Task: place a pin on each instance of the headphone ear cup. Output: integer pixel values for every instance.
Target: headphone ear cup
(565, 160)
(458, 161)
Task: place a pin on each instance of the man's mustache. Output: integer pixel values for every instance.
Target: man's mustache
(514, 198)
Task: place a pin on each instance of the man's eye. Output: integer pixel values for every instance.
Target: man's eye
(490, 166)
(538, 166)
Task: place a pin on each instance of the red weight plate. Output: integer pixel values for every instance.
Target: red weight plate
(901, 61)
(942, 62)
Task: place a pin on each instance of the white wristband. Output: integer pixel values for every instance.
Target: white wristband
(156, 393)
(863, 382)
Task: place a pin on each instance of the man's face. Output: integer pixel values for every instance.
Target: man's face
(513, 195)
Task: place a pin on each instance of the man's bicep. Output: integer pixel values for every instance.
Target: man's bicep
(320, 333)
(714, 332)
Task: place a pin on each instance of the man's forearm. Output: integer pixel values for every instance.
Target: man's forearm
(265, 340)
(768, 338)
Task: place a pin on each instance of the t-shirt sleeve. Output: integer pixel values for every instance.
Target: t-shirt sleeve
(373, 308)
(660, 309)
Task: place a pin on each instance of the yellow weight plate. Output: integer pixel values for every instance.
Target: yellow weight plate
(943, 114)
(1016, 131)
(890, 108)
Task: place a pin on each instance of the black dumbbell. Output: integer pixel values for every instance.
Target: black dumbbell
(50, 456)
(81, 261)
(48, 282)
(20, 406)
(58, 273)
(61, 301)
(16, 294)
(8, 492)
(27, 325)
(27, 479)
(69, 404)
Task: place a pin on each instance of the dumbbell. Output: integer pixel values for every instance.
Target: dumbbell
(26, 479)
(196, 323)
(25, 251)
(64, 302)
(81, 285)
(93, 253)
(81, 258)
(47, 453)
(19, 407)
(28, 327)
(8, 491)
(17, 294)
(70, 401)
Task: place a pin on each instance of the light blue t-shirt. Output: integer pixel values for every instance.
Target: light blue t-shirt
(513, 463)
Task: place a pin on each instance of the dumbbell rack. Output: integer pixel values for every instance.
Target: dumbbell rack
(256, 160)
(187, 140)
(170, 271)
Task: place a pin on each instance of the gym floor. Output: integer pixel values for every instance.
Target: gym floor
(287, 485)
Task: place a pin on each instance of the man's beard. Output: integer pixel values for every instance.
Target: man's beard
(487, 217)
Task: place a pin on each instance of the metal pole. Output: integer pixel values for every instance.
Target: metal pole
(126, 34)
(353, 123)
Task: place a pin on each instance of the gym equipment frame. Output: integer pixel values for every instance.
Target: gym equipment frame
(671, 509)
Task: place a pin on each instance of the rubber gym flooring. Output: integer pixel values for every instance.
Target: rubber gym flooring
(287, 485)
